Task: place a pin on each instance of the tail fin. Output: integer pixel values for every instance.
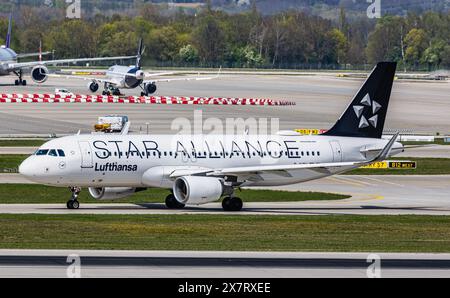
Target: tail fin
(139, 54)
(366, 114)
(8, 35)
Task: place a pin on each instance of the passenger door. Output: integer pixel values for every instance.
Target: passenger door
(337, 151)
(86, 154)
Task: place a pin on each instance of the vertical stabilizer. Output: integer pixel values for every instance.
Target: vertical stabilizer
(8, 35)
(366, 114)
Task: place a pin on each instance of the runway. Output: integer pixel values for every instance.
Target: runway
(371, 195)
(421, 107)
(220, 264)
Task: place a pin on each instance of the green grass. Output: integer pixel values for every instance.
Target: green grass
(228, 232)
(21, 143)
(32, 193)
(425, 166)
(10, 162)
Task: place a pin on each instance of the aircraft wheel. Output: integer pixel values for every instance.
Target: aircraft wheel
(24, 82)
(232, 204)
(73, 204)
(172, 203)
(16, 82)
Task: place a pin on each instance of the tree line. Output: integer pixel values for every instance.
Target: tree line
(290, 39)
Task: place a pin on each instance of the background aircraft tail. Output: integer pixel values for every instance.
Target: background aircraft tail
(8, 35)
(139, 54)
(366, 114)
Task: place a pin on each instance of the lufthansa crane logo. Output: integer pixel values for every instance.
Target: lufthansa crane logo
(374, 106)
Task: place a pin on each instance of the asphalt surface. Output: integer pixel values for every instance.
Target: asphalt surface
(370, 195)
(421, 107)
(223, 264)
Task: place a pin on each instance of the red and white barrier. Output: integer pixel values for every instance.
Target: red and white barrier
(54, 98)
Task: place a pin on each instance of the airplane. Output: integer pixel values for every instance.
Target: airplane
(39, 71)
(130, 77)
(199, 169)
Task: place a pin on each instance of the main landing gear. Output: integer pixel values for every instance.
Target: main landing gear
(73, 202)
(111, 90)
(173, 203)
(232, 204)
(20, 81)
(228, 203)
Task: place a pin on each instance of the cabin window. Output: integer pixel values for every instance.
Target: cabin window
(318, 153)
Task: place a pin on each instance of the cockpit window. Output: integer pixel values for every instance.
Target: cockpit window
(61, 153)
(42, 152)
(52, 152)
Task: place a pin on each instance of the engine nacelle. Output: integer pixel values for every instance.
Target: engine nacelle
(197, 190)
(93, 86)
(150, 88)
(140, 75)
(111, 193)
(39, 73)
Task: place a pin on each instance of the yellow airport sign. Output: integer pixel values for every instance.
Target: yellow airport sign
(392, 164)
(310, 131)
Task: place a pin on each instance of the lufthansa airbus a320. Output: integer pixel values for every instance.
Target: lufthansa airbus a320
(205, 168)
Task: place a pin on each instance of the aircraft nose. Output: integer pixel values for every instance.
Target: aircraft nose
(26, 168)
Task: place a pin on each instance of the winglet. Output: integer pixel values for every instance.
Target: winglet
(387, 149)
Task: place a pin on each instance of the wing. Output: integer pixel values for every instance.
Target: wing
(196, 78)
(93, 79)
(20, 65)
(253, 172)
(25, 55)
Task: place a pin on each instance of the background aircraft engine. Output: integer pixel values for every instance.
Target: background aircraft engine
(150, 88)
(39, 74)
(111, 193)
(196, 190)
(140, 75)
(93, 86)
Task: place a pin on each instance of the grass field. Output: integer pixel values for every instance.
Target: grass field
(238, 233)
(21, 143)
(10, 162)
(37, 194)
(425, 166)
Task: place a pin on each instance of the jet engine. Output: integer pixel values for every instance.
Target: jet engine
(93, 86)
(197, 190)
(112, 193)
(140, 75)
(150, 88)
(39, 73)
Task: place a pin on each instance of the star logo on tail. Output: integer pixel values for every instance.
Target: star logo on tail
(374, 107)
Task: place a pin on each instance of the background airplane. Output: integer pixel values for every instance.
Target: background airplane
(204, 168)
(39, 71)
(130, 77)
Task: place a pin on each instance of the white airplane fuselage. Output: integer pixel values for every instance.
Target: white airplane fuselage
(148, 160)
(117, 75)
(6, 55)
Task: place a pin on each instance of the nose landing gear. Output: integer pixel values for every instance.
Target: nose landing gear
(73, 202)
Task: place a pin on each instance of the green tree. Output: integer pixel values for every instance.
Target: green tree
(209, 39)
(188, 53)
(416, 43)
(385, 41)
